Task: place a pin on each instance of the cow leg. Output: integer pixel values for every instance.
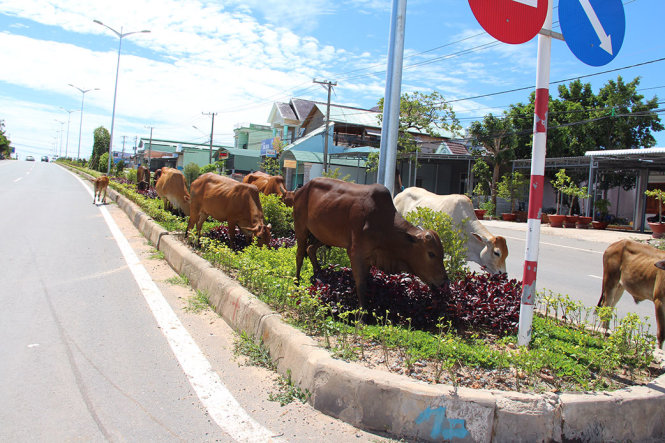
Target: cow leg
(360, 270)
(104, 199)
(611, 293)
(232, 234)
(301, 250)
(311, 253)
(660, 320)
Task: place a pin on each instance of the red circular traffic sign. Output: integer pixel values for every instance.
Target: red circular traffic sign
(510, 21)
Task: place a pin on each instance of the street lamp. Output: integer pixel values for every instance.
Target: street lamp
(120, 35)
(59, 153)
(69, 116)
(83, 91)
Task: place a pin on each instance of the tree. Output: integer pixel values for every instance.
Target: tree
(102, 138)
(424, 113)
(512, 187)
(497, 136)
(5, 143)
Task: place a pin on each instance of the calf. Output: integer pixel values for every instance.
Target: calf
(362, 219)
(637, 268)
(172, 189)
(270, 184)
(142, 178)
(101, 183)
(226, 200)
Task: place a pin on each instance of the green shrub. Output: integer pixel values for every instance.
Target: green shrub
(131, 175)
(103, 164)
(191, 172)
(119, 168)
(277, 214)
(212, 167)
(452, 237)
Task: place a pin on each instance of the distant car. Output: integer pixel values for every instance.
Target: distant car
(44, 158)
(29, 158)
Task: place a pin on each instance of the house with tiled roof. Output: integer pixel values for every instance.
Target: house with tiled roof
(442, 165)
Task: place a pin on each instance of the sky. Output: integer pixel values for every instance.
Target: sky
(236, 58)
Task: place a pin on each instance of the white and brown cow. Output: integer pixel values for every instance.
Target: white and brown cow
(637, 268)
(172, 189)
(482, 247)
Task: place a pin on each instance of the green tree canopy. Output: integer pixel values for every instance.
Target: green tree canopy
(100, 145)
(497, 136)
(424, 113)
(5, 143)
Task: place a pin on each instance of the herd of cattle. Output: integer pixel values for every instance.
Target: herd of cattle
(370, 225)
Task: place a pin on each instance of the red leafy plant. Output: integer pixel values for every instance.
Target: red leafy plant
(478, 301)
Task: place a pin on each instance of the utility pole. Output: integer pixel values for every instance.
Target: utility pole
(329, 85)
(149, 146)
(136, 139)
(124, 137)
(212, 130)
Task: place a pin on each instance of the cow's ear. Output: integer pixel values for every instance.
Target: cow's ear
(480, 238)
(660, 264)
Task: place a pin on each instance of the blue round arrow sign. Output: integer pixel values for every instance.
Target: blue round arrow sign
(593, 29)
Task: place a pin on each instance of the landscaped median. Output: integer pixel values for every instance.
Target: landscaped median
(378, 400)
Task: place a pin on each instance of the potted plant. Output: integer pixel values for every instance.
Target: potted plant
(511, 188)
(602, 205)
(658, 228)
(560, 183)
(579, 192)
(488, 208)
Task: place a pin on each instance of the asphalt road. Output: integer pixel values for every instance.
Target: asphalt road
(569, 262)
(85, 350)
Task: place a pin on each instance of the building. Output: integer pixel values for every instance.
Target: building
(354, 134)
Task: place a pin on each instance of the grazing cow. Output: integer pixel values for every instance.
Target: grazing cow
(637, 268)
(270, 184)
(363, 220)
(172, 189)
(101, 183)
(142, 178)
(481, 246)
(225, 199)
(156, 175)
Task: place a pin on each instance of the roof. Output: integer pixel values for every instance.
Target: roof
(643, 152)
(302, 107)
(349, 115)
(317, 157)
(243, 152)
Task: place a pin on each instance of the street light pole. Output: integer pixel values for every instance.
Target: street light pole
(83, 91)
(69, 117)
(61, 131)
(120, 35)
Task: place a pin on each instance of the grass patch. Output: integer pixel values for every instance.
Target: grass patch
(257, 354)
(157, 255)
(287, 392)
(179, 280)
(198, 303)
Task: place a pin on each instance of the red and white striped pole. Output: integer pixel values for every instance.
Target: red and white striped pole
(537, 182)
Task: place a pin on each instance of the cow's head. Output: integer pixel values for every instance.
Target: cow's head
(287, 198)
(494, 253)
(158, 173)
(425, 257)
(261, 232)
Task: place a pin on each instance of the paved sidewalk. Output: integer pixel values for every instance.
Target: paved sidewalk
(598, 235)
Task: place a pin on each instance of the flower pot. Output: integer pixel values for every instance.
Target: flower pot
(599, 224)
(583, 222)
(556, 220)
(570, 221)
(508, 216)
(658, 229)
(480, 213)
(520, 216)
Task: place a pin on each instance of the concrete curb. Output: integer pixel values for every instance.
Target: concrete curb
(380, 401)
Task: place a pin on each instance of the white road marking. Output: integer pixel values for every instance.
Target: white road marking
(221, 405)
(595, 276)
(560, 246)
(18, 179)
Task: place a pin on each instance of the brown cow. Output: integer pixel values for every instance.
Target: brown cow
(363, 220)
(633, 266)
(156, 175)
(270, 184)
(142, 178)
(172, 189)
(225, 199)
(101, 183)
